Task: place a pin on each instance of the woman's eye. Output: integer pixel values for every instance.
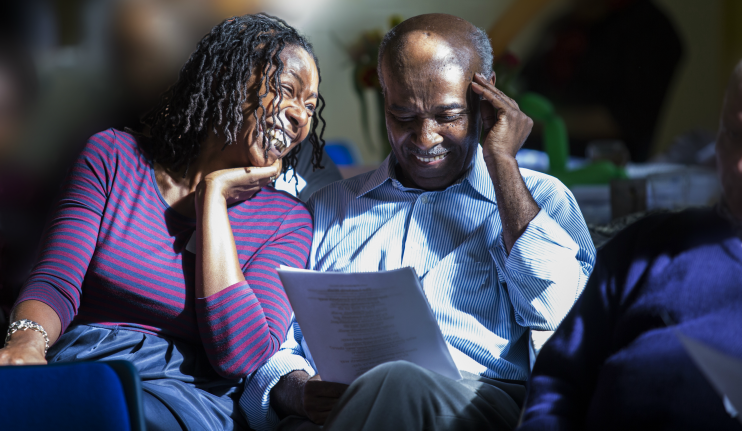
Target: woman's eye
(310, 108)
(287, 90)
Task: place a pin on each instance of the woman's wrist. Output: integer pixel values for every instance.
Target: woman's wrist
(208, 192)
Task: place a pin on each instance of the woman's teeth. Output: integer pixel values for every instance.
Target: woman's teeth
(431, 159)
(278, 139)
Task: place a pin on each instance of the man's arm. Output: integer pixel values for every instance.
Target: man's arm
(506, 128)
(288, 385)
(546, 253)
(256, 401)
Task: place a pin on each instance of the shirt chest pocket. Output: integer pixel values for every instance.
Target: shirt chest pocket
(460, 277)
(457, 286)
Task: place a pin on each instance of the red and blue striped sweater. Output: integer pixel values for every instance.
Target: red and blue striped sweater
(115, 254)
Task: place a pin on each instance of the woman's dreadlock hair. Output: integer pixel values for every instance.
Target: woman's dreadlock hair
(212, 86)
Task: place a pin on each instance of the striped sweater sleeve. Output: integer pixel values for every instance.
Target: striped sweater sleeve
(244, 325)
(71, 236)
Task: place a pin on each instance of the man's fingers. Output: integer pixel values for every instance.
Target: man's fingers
(319, 404)
(493, 94)
(320, 398)
(318, 409)
(318, 388)
(319, 418)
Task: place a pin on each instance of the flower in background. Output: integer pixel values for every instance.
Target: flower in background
(364, 53)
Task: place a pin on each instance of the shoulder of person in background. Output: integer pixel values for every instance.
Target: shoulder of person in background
(308, 179)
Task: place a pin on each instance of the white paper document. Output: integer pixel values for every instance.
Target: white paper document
(353, 322)
(722, 371)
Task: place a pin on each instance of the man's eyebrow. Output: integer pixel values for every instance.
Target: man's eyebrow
(301, 81)
(450, 107)
(395, 107)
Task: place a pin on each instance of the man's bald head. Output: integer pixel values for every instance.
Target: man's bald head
(435, 39)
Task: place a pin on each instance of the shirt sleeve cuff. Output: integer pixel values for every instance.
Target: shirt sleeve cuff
(64, 307)
(255, 400)
(224, 295)
(541, 250)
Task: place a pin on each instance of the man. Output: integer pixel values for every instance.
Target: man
(497, 250)
(614, 363)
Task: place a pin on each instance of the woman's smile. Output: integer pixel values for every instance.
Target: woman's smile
(279, 141)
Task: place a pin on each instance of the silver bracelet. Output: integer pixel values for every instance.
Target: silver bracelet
(22, 325)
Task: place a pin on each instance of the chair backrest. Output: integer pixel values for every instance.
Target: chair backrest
(71, 396)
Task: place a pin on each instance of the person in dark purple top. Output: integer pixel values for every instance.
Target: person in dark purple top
(614, 363)
(164, 245)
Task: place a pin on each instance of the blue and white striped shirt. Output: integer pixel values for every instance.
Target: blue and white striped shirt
(484, 299)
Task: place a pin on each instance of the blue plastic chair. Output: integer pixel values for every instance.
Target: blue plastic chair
(341, 153)
(71, 396)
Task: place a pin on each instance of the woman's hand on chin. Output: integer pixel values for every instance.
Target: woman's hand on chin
(237, 184)
(24, 348)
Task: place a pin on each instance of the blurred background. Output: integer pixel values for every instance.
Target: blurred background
(625, 93)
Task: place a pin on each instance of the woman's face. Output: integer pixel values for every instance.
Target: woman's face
(293, 113)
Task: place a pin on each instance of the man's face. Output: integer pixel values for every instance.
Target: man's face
(432, 122)
(729, 150)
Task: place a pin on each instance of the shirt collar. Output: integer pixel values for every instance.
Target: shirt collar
(385, 172)
(477, 176)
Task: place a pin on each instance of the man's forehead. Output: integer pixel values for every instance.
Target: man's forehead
(426, 45)
(424, 59)
(422, 50)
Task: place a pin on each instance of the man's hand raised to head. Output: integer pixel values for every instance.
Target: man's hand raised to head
(506, 127)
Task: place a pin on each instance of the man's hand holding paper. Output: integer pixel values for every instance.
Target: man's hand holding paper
(356, 321)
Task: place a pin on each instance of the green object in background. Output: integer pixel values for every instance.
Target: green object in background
(556, 145)
(598, 172)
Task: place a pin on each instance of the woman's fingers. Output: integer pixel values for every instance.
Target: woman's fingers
(258, 173)
(240, 184)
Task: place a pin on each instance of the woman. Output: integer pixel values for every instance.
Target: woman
(163, 250)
